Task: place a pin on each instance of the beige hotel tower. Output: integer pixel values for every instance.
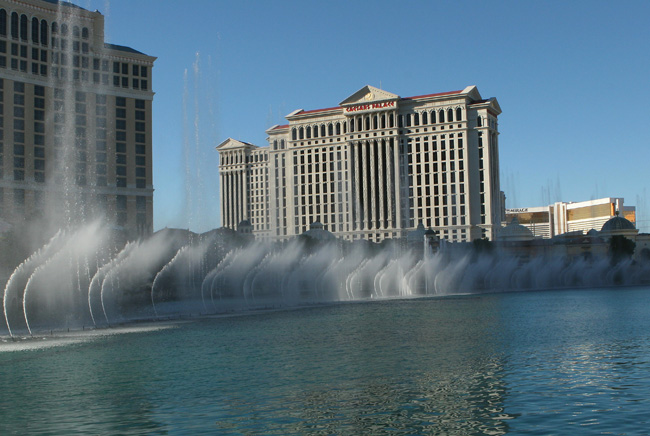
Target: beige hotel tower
(75, 119)
(373, 167)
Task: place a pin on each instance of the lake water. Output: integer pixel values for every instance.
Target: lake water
(553, 362)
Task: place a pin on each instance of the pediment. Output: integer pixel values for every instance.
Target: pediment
(495, 105)
(369, 94)
(472, 93)
(232, 144)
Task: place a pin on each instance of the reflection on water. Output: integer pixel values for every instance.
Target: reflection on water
(540, 362)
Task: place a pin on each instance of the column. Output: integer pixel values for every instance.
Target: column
(358, 180)
(365, 204)
(373, 184)
(398, 188)
(389, 185)
(382, 183)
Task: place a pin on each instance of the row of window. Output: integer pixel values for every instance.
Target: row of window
(79, 65)
(239, 158)
(99, 206)
(430, 117)
(307, 132)
(19, 26)
(374, 122)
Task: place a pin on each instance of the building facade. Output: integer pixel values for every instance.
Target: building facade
(562, 217)
(373, 167)
(75, 119)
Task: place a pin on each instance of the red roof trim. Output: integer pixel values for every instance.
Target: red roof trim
(284, 126)
(433, 95)
(319, 110)
(405, 98)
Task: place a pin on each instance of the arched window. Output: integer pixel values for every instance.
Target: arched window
(441, 116)
(44, 32)
(308, 132)
(84, 33)
(359, 124)
(391, 121)
(433, 117)
(330, 129)
(55, 28)
(345, 128)
(424, 118)
(367, 119)
(479, 121)
(375, 124)
(352, 125)
(14, 25)
(35, 28)
(275, 144)
(301, 133)
(75, 31)
(459, 114)
(23, 27)
(64, 29)
(416, 119)
(408, 120)
(400, 121)
(315, 128)
(293, 134)
(450, 115)
(282, 144)
(322, 129)
(3, 22)
(383, 121)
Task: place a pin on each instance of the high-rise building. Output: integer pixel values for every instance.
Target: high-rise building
(373, 167)
(75, 119)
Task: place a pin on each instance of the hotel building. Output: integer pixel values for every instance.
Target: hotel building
(561, 217)
(75, 119)
(373, 167)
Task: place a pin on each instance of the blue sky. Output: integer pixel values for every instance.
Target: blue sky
(571, 79)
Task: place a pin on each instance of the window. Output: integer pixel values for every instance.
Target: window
(3, 22)
(44, 32)
(14, 25)
(23, 27)
(35, 29)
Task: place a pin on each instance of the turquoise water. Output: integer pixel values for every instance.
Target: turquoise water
(554, 362)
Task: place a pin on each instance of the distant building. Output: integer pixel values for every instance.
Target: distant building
(372, 168)
(558, 218)
(75, 119)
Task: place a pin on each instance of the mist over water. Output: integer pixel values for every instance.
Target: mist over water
(82, 279)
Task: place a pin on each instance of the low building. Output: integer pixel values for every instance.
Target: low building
(562, 217)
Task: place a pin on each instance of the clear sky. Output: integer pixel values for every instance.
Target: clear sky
(571, 79)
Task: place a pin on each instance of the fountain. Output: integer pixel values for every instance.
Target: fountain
(78, 279)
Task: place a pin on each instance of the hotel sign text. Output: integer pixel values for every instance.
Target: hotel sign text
(369, 106)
